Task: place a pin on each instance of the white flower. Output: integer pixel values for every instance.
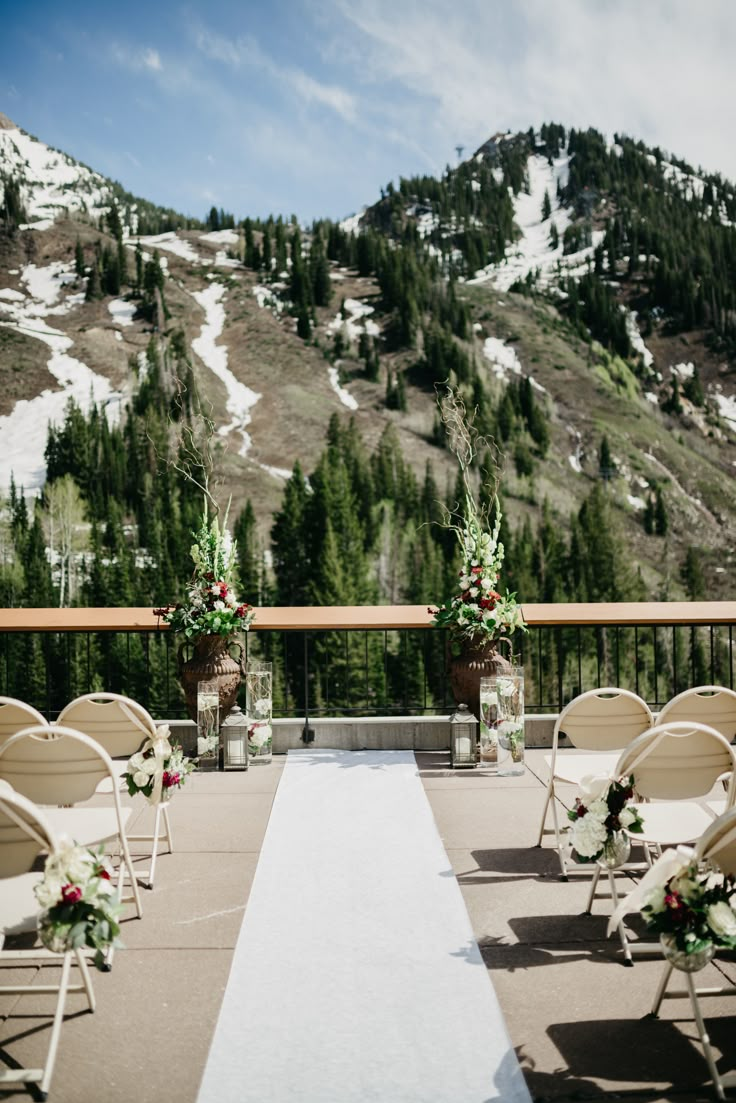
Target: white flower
(505, 687)
(135, 762)
(263, 704)
(588, 836)
(140, 779)
(149, 766)
(259, 734)
(219, 605)
(48, 891)
(464, 582)
(473, 591)
(722, 919)
(626, 817)
(214, 588)
(508, 728)
(486, 583)
(654, 899)
(599, 809)
(490, 699)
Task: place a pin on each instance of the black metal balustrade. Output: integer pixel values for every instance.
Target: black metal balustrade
(378, 661)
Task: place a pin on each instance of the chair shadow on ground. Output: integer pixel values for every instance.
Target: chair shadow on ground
(511, 864)
(608, 1052)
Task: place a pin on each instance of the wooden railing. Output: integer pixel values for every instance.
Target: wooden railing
(373, 659)
(389, 617)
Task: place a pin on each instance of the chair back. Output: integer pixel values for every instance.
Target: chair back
(14, 715)
(717, 844)
(605, 719)
(680, 760)
(711, 705)
(51, 764)
(117, 723)
(24, 833)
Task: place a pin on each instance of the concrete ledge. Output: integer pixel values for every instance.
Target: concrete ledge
(371, 733)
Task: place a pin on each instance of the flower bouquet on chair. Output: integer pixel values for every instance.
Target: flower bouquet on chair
(602, 819)
(693, 910)
(81, 905)
(158, 769)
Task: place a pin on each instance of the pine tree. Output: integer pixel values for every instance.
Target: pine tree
(661, 523)
(692, 576)
(546, 206)
(79, 265)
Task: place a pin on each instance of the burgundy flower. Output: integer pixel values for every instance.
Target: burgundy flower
(103, 873)
(170, 779)
(70, 894)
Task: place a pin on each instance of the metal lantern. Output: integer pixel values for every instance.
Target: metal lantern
(463, 727)
(234, 733)
(208, 725)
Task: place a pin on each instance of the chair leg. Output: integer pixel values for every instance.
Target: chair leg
(708, 1052)
(593, 887)
(86, 978)
(167, 822)
(548, 796)
(58, 1020)
(621, 929)
(558, 841)
(661, 988)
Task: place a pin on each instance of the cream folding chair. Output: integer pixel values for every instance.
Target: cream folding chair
(54, 765)
(602, 722)
(24, 834)
(717, 847)
(14, 715)
(121, 726)
(673, 765)
(711, 705)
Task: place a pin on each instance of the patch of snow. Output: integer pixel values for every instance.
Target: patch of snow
(636, 503)
(11, 294)
(24, 430)
(345, 397)
(502, 357)
(652, 397)
(575, 464)
(357, 321)
(222, 260)
(221, 237)
(683, 371)
(475, 185)
(726, 408)
(240, 399)
(122, 312)
(118, 335)
(351, 224)
(265, 297)
(46, 284)
(336, 276)
(173, 244)
(277, 472)
(533, 250)
(637, 341)
(51, 182)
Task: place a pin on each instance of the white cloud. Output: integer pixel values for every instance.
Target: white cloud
(137, 58)
(661, 70)
(245, 52)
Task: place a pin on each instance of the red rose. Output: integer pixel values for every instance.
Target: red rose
(170, 780)
(102, 872)
(70, 894)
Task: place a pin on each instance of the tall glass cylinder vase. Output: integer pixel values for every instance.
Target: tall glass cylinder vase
(502, 721)
(208, 725)
(259, 711)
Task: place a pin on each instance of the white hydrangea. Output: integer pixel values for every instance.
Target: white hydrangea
(588, 835)
(722, 919)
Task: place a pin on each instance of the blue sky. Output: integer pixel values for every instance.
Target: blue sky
(311, 106)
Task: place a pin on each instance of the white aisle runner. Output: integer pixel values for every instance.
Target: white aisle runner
(356, 976)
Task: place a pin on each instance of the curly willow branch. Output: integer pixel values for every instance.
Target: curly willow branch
(470, 448)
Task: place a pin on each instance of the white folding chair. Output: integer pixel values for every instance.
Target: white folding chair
(24, 834)
(673, 765)
(601, 722)
(14, 715)
(717, 847)
(61, 767)
(711, 705)
(121, 726)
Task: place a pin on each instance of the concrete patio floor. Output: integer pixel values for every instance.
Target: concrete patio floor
(576, 1016)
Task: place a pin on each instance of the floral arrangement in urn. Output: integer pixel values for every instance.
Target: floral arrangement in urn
(212, 608)
(600, 818)
(81, 905)
(477, 613)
